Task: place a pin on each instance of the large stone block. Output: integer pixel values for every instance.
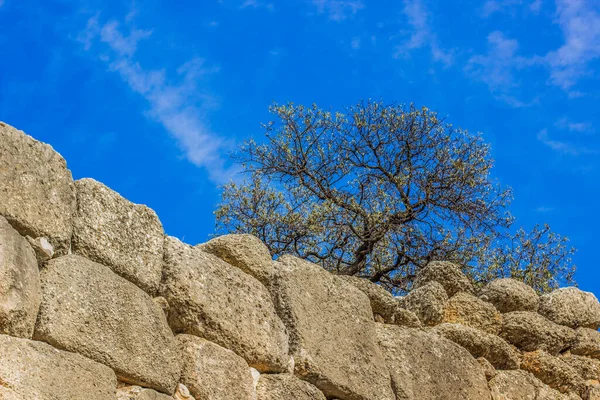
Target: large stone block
(35, 370)
(427, 366)
(246, 252)
(89, 310)
(427, 302)
(213, 372)
(571, 307)
(530, 331)
(464, 308)
(36, 188)
(587, 343)
(19, 283)
(521, 385)
(448, 274)
(587, 368)
(382, 301)
(481, 344)
(115, 232)
(286, 387)
(554, 372)
(214, 300)
(139, 393)
(510, 295)
(332, 333)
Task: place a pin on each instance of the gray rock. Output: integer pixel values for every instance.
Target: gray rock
(448, 274)
(510, 295)
(213, 372)
(530, 331)
(427, 302)
(115, 232)
(89, 310)
(19, 283)
(587, 343)
(571, 307)
(214, 300)
(286, 387)
(332, 333)
(382, 301)
(427, 366)
(481, 344)
(36, 188)
(35, 370)
(140, 393)
(553, 371)
(245, 252)
(466, 309)
(587, 368)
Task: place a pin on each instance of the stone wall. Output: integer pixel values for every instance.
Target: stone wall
(96, 302)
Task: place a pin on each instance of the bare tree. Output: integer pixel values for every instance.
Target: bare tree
(378, 191)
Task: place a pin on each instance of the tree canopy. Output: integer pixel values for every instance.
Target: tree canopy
(380, 190)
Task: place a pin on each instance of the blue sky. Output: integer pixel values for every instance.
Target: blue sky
(150, 98)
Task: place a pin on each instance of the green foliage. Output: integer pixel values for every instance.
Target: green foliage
(378, 191)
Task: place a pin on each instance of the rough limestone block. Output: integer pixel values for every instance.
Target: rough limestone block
(213, 372)
(571, 307)
(448, 274)
(35, 370)
(286, 387)
(405, 317)
(332, 333)
(214, 300)
(553, 371)
(42, 248)
(36, 188)
(245, 252)
(427, 302)
(521, 385)
(382, 301)
(487, 367)
(530, 331)
(587, 343)
(587, 368)
(427, 366)
(113, 231)
(510, 295)
(464, 308)
(481, 344)
(89, 310)
(19, 283)
(140, 393)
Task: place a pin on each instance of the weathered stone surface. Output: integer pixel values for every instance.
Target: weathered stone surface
(113, 231)
(213, 372)
(481, 344)
(553, 371)
(592, 391)
(183, 393)
(36, 188)
(427, 302)
(426, 366)
(487, 367)
(89, 310)
(19, 283)
(571, 307)
(587, 343)
(332, 333)
(214, 300)
(513, 385)
(245, 252)
(35, 370)
(530, 331)
(510, 295)
(382, 301)
(286, 387)
(407, 318)
(466, 309)
(42, 248)
(587, 368)
(445, 273)
(140, 393)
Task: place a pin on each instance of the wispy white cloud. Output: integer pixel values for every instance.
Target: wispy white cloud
(565, 147)
(544, 209)
(579, 127)
(338, 10)
(422, 34)
(580, 24)
(494, 6)
(178, 104)
(1, 3)
(257, 4)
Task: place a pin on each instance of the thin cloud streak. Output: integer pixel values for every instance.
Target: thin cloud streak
(564, 147)
(338, 10)
(176, 106)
